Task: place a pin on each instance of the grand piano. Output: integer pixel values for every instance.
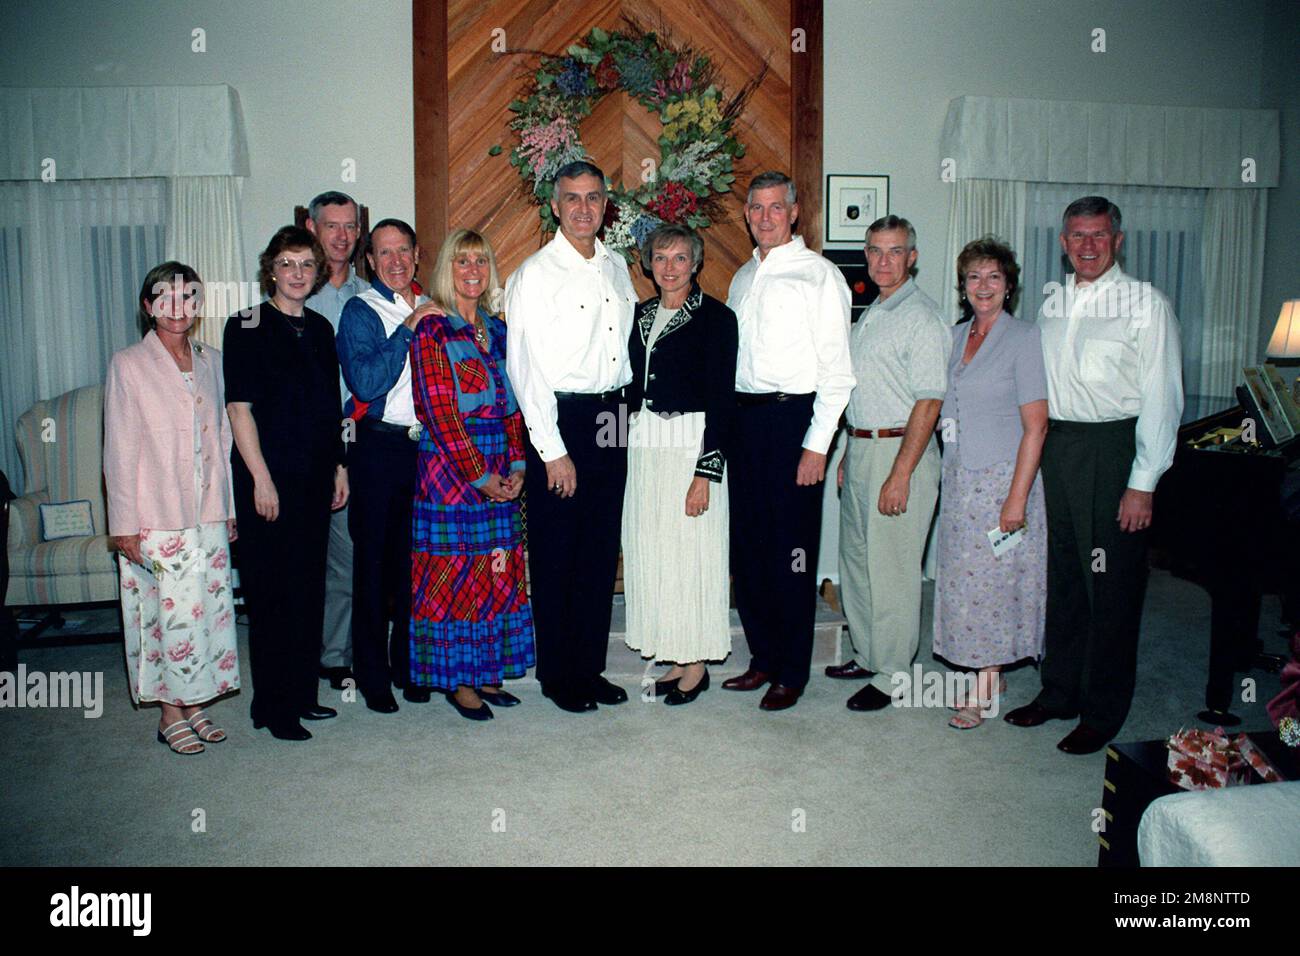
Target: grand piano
(1225, 518)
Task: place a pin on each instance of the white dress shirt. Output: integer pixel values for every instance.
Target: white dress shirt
(792, 308)
(568, 321)
(1111, 349)
(399, 405)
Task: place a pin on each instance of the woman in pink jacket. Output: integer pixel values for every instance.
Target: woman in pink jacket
(167, 446)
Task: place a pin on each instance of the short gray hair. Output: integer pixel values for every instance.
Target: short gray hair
(666, 235)
(1092, 206)
(889, 223)
(579, 167)
(331, 198)
(770, 179)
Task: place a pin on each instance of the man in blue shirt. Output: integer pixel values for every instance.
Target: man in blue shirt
(334, 219)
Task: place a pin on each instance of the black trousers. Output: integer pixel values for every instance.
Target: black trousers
(1096, 574)
(775, 532)
(282, 576)
(381, 475)
(573, 545)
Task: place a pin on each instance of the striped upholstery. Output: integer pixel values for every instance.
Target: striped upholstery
(66, 467)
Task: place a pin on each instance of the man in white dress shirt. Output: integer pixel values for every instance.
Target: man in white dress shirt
(334, 218)
(890, 471)
(568, 311)
(1115, 397)
(793, 379)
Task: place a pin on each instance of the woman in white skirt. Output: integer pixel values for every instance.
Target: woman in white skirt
(167, 472)
(675, 530)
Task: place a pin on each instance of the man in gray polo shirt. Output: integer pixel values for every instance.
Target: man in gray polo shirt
(334, 219)
(890, 472)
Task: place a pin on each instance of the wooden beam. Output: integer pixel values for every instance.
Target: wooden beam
(432, 121)
(806, 117)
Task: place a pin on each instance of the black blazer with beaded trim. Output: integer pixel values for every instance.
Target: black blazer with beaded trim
(692, 369)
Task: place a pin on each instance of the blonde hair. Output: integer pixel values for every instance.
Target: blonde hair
(442, 290)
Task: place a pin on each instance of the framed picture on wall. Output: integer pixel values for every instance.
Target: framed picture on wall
(852, 204)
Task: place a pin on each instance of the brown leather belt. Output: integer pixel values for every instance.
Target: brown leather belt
(877, 433)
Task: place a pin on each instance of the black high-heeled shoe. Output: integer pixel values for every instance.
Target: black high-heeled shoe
(677, 696)
(470, 713)
(499, 698)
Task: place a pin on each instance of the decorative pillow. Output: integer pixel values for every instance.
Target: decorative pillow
(66, 519)
(473, 377)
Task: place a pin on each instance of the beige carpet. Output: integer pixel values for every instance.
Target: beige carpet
(715, 782)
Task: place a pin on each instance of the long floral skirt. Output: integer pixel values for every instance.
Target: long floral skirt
(178, 617)
(988, 610)
(471, 622)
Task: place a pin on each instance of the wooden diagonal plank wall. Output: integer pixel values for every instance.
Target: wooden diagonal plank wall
(463, 88)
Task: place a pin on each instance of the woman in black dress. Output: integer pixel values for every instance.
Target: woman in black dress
(282, 392)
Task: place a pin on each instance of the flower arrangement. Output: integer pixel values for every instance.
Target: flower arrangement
(697, 144)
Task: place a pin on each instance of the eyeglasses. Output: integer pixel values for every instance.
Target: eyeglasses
(294, 265)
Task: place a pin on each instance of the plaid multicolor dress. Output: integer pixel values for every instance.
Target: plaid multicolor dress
(470, 619)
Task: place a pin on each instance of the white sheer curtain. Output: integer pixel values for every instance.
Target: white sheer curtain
(1164, 233)
(203, 232)
(73, 255)
(1232, 262)
(980, 207)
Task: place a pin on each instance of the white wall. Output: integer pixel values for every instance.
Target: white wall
(892, 66)
(1282, 243)
(319, 81)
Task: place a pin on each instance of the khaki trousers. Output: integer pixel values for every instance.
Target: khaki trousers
(880, 556)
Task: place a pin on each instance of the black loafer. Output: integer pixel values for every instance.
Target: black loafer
(869, 698)
(317, 712)
(337, 675)
(416, 695)
(568, 700)
(499, 698)
(663, 687)
(676, 697)
(294, 731)
(482, 712)
(382, 703)
(604, 692)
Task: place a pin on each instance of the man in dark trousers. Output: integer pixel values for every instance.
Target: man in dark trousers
(569, 313)
(375, 333)
(793, 379)
(1114, 400)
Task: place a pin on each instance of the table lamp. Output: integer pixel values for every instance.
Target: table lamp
(1285, 342)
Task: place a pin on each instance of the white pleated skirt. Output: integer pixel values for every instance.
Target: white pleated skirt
(675, 568)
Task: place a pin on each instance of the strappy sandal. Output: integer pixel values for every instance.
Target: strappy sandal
(181, 738)
(962, 704)
(966, 718)
(208, 731)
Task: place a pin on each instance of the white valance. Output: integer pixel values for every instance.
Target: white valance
(1061, 141)
(110, 132)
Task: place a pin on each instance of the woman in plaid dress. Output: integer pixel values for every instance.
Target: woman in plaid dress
(471, 625)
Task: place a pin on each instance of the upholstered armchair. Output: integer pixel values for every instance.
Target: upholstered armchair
(61, 442)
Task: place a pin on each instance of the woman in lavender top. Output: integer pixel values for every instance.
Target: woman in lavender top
(989, 610)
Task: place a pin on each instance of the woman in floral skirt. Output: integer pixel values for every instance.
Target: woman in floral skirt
(167, 471)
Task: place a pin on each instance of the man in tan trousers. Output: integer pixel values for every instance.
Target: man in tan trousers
(889, 477)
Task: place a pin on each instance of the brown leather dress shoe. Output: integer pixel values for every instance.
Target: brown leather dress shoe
(850, 671)
(750, 680)
(780, 697)
(1033, 714)
(1083, 740)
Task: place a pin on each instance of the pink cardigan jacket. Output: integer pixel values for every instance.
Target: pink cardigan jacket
(149, 440)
